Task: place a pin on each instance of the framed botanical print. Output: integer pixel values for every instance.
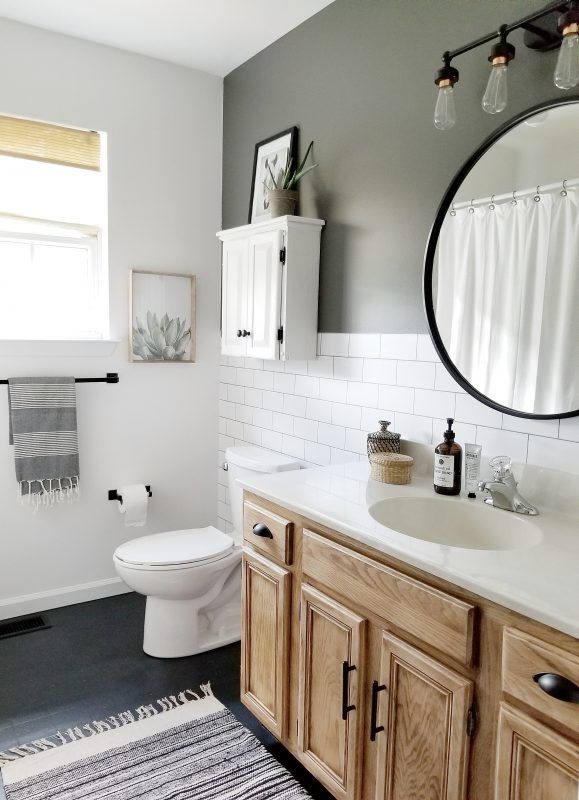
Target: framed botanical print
(271, 154)
(162, 317)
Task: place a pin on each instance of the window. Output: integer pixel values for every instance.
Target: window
(53, 216)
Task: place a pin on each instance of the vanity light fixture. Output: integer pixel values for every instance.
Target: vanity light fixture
(496, 94)
(567, 69)
(555, 25)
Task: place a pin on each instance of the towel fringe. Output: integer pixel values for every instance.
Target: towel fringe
(96, 727)
(48, 495)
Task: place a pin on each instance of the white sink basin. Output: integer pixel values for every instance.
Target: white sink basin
(456, 523)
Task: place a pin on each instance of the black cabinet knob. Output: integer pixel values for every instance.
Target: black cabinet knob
(557, 686)
(239, 334)
(246, 333)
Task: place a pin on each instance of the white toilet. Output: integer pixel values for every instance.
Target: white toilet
(192, 578)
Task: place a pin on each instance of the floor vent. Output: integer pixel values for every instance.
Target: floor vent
(26, 624)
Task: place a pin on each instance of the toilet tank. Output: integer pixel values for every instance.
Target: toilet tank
(243, 462)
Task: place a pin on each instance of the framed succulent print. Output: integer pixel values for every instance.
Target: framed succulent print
(162, 317)
(271, 156)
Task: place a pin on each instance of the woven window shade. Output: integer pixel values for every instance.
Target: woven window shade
(55, 144)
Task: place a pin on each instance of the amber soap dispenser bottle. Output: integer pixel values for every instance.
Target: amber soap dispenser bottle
(448, 464)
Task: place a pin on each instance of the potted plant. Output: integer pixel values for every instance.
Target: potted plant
(283, 194)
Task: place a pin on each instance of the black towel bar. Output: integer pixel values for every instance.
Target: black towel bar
(114, 495)
(112, 377)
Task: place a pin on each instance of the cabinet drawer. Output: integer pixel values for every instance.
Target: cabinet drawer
(429, 614)
(524, 656)
(268, 532)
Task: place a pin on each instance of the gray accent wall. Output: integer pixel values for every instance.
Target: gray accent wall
(358, 79)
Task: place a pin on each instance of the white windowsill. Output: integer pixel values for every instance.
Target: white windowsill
(57, 347)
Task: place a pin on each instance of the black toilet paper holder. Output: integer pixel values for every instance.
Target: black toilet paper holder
(114, 495)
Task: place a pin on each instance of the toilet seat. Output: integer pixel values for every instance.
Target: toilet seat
(176, 549)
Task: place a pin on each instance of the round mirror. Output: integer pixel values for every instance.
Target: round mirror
(501, 279)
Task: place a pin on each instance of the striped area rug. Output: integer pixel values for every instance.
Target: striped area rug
(191, 749)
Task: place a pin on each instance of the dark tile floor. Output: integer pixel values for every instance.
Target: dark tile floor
(90, 664)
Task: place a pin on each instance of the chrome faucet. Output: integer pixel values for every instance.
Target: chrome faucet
(503, 491)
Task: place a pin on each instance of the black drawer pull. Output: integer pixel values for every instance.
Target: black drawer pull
(557, 686)
(346, 707)
(260, 529)
(374, 729)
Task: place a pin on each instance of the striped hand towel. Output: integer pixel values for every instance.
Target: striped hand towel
(43, 432)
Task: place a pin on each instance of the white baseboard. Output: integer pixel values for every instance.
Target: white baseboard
(64, 596)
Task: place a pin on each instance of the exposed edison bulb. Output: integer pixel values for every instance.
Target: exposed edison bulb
(567, 69)
(445, 109)
(496, 94)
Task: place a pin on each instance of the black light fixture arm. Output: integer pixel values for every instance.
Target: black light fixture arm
(504, 30)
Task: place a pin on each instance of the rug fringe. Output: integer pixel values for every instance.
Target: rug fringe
(97, 727)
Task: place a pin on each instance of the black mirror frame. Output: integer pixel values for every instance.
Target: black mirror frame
(431, 251)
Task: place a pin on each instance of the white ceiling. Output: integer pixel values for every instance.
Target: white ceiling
(212, 35)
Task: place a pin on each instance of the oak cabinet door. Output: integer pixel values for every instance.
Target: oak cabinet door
(264, 294)
(533, 761)
(423, 744)
(234, 278)
(330, 712)
(265, 641)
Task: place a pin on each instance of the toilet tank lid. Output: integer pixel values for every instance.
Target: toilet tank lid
(260, 460)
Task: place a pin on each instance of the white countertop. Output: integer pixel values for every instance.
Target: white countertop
(541, 582)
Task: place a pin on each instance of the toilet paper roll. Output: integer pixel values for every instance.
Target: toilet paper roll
(134, 505)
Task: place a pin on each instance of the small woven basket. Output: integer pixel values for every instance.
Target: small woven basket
(391, 468)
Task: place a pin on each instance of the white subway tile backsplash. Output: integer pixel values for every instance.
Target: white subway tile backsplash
(419, 374)
(398, 398)
(254, 397)
(283, 423)
(398, 346)
(346, 415)
(425, 350)
(292, 404)
(319, 409)
(428, 402)
(263, 380)
(502, 443)
(321, 367)
(332, 435)
(334, 390)
(379, 370)
(292, 446)
(539, 427)
(415, 428)
(569, 429)
(307, 386)
(273, 401)
(334, 344)
(282, 382)
(306, 429)
(470, 410)
(554, 453)
(317, 453)
(366, 345)
(362, 394)
(348, 369)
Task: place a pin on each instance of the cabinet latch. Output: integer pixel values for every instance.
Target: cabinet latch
(282, 255)
(471, 720)
(280, 334)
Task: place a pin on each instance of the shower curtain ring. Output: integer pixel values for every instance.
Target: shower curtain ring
(564, 189)
(514, 200)
(537, 197)
(492, 203)
(471, 207)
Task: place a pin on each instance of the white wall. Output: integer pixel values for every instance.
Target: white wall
(159, 424)
(320, 411)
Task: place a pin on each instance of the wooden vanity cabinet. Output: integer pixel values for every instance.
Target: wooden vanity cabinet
(389, 684)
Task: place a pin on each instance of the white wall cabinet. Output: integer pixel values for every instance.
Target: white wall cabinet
(269, 289)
